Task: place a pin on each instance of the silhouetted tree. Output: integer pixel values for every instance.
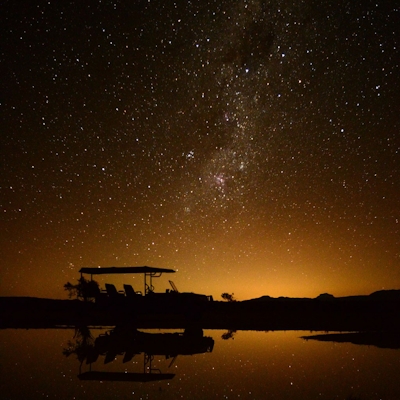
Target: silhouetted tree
(228, 335)
(228, 297)
(83, 290)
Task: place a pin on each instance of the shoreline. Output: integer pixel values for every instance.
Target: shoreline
(379, 311)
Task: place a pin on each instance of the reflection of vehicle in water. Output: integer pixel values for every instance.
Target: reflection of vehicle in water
(129, 342)
(148, 300)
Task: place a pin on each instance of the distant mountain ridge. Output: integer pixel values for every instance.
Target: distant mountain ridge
(379, 311)
(380, 295)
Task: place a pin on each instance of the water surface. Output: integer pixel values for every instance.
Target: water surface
(244, 365)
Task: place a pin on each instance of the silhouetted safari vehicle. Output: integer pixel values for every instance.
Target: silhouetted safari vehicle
(148, 300)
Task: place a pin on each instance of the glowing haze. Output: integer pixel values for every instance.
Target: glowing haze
(250, 145)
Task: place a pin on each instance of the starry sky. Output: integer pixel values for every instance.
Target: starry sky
(251, 145)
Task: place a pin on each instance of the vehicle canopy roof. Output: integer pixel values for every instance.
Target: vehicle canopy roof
(124, 270)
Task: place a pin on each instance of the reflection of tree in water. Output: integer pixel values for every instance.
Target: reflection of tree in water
(228, 335)
(81, 345)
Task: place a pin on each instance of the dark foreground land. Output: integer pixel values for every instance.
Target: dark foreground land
(383, 340)
(379, 311)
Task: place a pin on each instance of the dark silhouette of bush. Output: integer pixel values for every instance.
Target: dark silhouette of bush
(228, 297)
(84, 290)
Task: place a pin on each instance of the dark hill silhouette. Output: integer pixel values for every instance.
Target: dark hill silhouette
(377, 311)
(386, 295)
(381, 295)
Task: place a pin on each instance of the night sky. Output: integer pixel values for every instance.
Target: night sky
(251, 145)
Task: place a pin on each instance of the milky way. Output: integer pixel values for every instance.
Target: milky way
(251, 145)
